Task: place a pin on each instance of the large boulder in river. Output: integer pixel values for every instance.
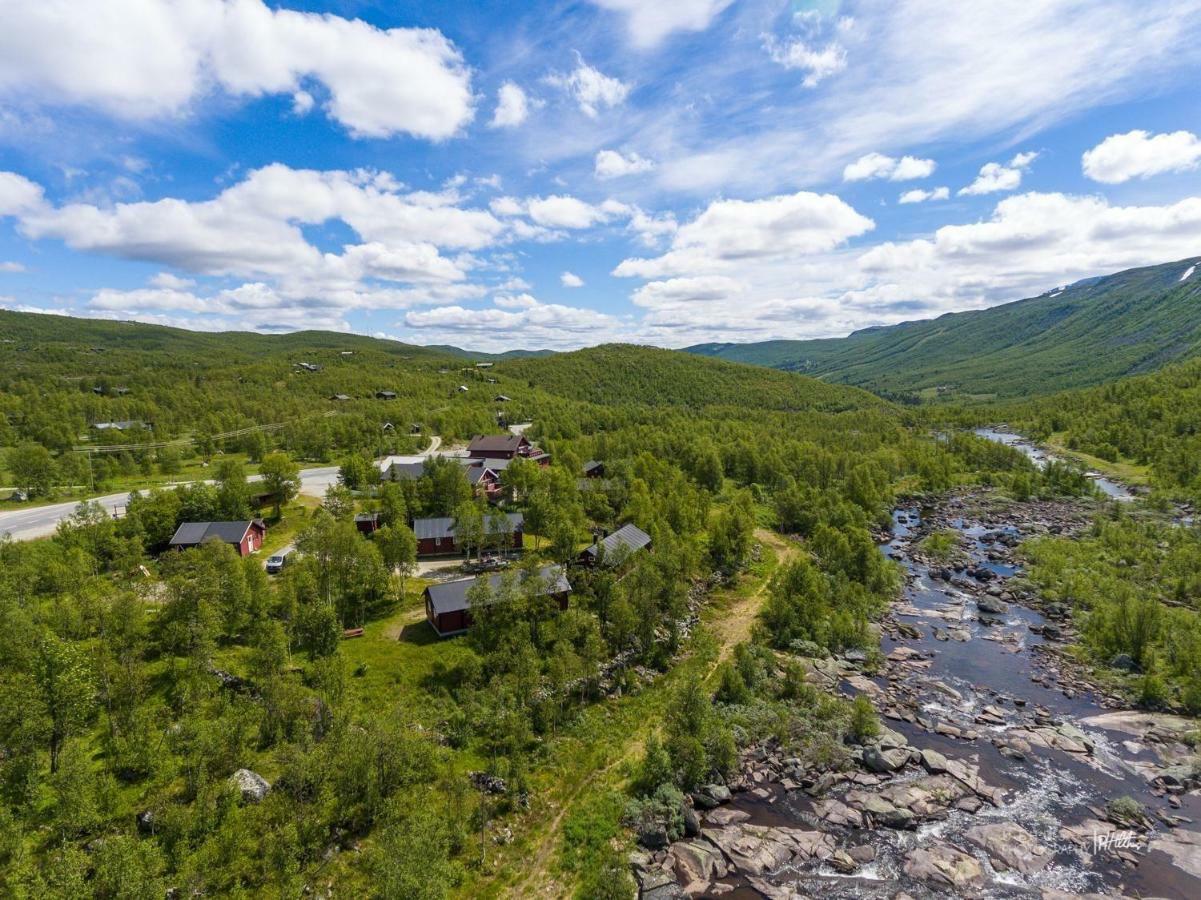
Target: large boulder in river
(1010, 846)
(942, 866)
(758, 850)
(878, 810)
(251, 785)
(992, 606)
(933, 761)
(696, 864)
(1183, 847)
(882, 761)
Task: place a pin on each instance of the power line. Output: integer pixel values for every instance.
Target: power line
(183, 442)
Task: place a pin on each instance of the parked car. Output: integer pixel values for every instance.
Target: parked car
(276, 563)
(488, 562)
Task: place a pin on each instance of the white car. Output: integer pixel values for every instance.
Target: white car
(276, 563)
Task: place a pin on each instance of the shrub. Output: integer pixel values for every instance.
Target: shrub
(655, 768)
(1153, 691)
(664, 807)
(940, 545)
(1124, 808)
(732, 688)
(865, 724)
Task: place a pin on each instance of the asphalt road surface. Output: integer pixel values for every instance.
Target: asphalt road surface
(39, 521)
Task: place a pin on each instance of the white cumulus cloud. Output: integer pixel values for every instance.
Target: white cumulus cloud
(877, 165)
(731, 231)
(561, 210)
(613, 164)
(591, 89)
(818, 63)
(917, 195)
(996, 177)
(512, 106)
(526, 323)
(140, 59)
(1140, 154)
(571, 280)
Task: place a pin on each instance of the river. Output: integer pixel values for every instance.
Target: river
(1040, 457)
(976, 677)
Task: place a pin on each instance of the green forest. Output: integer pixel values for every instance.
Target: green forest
(182, 720)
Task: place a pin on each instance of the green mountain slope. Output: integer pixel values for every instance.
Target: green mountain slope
(1093, 331)
(628, 374)
(34, 328)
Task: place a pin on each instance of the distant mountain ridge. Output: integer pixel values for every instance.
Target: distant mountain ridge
(50, 328)
(1092, 331)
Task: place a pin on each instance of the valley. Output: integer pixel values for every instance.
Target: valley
(856, 656)
(1075, 336)
(601, 450)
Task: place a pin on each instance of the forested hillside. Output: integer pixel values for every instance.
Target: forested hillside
(621, 373)
(1150, 420)
(40, 329)
(316, 393)
(1088, 333)
(179, 720)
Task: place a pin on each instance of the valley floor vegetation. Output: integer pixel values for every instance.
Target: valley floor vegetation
(180, 720)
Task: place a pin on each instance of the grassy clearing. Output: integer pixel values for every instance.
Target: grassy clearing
(293, 519)
(1125, 472)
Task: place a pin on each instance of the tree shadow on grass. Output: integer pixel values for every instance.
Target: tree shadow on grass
(419, 634)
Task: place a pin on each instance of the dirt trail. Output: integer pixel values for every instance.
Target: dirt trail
(734, 626)
(730, 628)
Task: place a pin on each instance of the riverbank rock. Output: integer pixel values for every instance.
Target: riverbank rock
(835, 812)
(927, 797)
(991, 605)
(1010, 846)
(933, 761)
(725, 816)
(696, 864)
(943, 866)
(1184, 847)
(759, 850)
(875, 809)
(775, 891)
(881, 761)
(710, 796)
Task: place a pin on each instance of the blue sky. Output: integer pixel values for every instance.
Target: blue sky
(499, 175)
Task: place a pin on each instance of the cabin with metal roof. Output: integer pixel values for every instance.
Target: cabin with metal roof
(436, 536)
(616, 547)
(448, 609)
(245, 537)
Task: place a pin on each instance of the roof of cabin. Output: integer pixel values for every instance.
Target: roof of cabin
(451, 596)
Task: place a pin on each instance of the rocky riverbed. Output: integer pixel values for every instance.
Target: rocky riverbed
(1002, 772)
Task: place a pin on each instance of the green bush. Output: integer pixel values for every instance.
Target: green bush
(865, 724)
(732, 688)
(664, 807)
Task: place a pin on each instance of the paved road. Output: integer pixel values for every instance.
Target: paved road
(39, 521)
